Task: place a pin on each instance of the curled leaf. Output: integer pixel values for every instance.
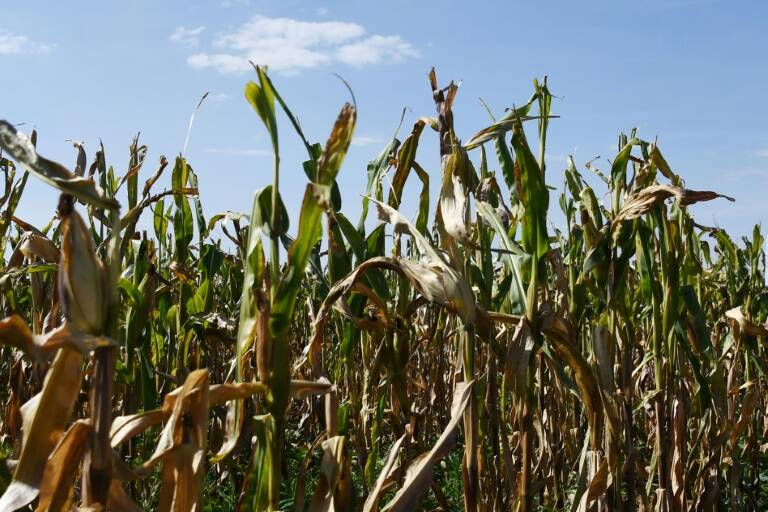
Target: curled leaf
(737, 318)
(45, 416)
(23, 151)
(438, 284)
(419, 474)
(641, 202)
(57, 489)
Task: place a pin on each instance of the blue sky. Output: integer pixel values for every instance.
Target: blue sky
(692, 73)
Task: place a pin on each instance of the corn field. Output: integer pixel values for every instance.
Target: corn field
(478, 357)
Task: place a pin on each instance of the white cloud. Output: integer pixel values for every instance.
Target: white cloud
(12, 44)
(762, 153)
(239, 152)
(288, 46)
(262, 32)
(375, 50)
(364, 140)
(187, 36)
(321, 11)
(222, 62)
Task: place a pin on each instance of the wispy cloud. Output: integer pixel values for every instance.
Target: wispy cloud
(762, 153)
(189, 37)
(238, 152)
(364, 140)
(14, 44)
(289, 46)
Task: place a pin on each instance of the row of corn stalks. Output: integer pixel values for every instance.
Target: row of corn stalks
(614, 363)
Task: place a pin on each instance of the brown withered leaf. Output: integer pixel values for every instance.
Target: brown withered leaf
(517, 362)
(743, 324)
(498, 128)
(438, 283)
(453, 200)
(419, 474)
(127, 427)
(560, 333)
(16, 333)
(372, 501)
(182, 445)
(23, 151)
(642, 201)
(57, 489)
(679, 436)
(34, 245)
(66, 336)
(747, 408)
(44, 418)
(305, 388)
(119, 500)
(333, 492)
(599, 483)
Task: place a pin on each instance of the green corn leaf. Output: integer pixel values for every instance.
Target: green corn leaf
(533, 194)
(316, 199)
(262, 98)
(405, 159)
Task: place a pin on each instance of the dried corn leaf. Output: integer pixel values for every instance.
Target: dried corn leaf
(57, 489)
(438, 283)
(642, 201)
(182, 445)
(127, 427)
(516, 363)
(599, 483)
(45, 417)
(743, 324)
(747, 408)
(119, 500)
(560, 333)
(15, 332)
(443, 284)
(499, 128)
(419, 474)
(23, 151)
(36, 246)
(453, 201)
(372, 501)
(333, 492)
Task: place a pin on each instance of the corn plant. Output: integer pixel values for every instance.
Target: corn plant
(477, 356)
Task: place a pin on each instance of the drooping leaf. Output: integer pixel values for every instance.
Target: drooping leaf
(419, 474)
(45, 417)
(23, 151)
(641, 202)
